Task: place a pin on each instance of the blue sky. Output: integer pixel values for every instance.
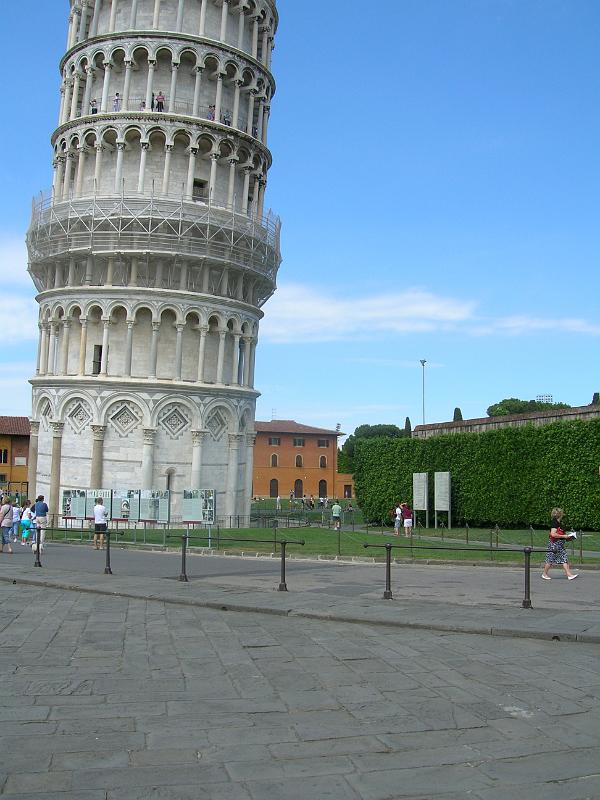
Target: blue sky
(436, 170)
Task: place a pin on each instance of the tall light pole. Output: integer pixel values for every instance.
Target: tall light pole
(423, 362)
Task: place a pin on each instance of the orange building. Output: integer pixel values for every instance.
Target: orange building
(290, 457)
(14, 451)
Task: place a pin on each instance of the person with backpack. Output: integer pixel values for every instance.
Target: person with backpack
(6, 522)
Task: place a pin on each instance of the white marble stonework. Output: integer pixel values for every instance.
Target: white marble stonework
(153, 253)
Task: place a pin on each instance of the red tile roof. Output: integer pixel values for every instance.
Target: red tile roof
(290, 426)
(14, 426)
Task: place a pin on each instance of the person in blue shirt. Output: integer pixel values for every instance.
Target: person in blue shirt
(40, 511)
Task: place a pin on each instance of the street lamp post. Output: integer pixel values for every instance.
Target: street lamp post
(423, 362)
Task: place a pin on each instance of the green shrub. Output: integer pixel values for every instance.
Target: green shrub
(511, 476)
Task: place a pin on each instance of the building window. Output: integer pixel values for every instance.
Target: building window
(274, 488)
(323, 462)
(322, 488)
(274, 460)
(200, 190)
(3, 478)
(298, 488)
(3, 456)
(20, 461)
(323, 443)
(97, 360)
(299, 461)
(347, 492)
(298, 442)
(274, 441)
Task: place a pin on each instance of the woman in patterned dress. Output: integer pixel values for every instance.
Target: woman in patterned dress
(556, 552)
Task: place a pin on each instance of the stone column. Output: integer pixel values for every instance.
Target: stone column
(150, 80)
(235, 441)
(173, 88)
(231, 185)
(197, 87)
(95, 18)
(262, 185)
(265, 124)
(52, 348)
(70, 29)
(44, 344)
(155, 22)
(129, 348)
(57, 432)
(203, 5)
(179, 23)
(82, 345)
(75, 95)
(253, 346)
(265, 44)
(201, 352)
(198, 438)
(64, 352)
(110, 271)
(179, 351)
(251, 99)
(58, 275)
(105, 87)
(167, 169)
(63, 92)
(133, 16)
(212, 181)
(154, 349)
(98, 166)
(246, 190)
(87, 93)
(224, 15)
(224, 287)
(96, 477)
(148, 458)
(142, 171)
(38, 362)
(133, 275)
(89, 270)
(80, 171)
(71, 273)
(255, 24)
(259, 121)
(191, 172)
(235, 121)
(250, 443)
(221, 356)
(33, 457)
(119, 167)
(219, 97)
(241, 26)
(113, 16)
(67, 105)
(127, 84)
(104, 359)
(67, 177)
(235, 367)
(246, 377)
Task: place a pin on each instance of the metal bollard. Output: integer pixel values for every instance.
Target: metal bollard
(107, 569)
(387, 595)
(527, 599)
(38, 546)
(183, 577)
(282, 584)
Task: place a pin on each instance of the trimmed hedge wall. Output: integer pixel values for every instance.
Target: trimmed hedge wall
(510, 476)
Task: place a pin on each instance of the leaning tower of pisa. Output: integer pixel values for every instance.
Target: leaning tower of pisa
(153, 253)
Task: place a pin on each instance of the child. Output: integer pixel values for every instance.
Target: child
(26, 518)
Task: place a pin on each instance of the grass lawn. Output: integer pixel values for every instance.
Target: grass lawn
(327, 542)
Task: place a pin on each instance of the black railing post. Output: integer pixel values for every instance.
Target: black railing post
(387, 595)
(466, 533)
(184, 539)
(38, 546)
(107, 569)
(527, 598)
(282, 584)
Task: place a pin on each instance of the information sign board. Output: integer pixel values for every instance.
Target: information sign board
(442, 491)
(155, 505)
(126, 504)
(73, 503)
(90, 501)
(420, 491)
(199, 505)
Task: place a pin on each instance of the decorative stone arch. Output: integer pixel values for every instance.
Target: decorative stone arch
(57, 313)
(227, 410)
(174, 309)
(43, 409)
(116, 305)
(195, 311)
(74, 305)
(90, 306)
(176, 400)
(177, 133)
(134, 401)
(146, 306)
(213, 58)
(78, 409)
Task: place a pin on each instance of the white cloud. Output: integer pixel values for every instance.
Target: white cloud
(299, 314)
(19, 320)
(13, 263)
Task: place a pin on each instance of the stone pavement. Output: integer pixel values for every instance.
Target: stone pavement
(133, 687)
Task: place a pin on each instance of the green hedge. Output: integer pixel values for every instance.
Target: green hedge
(510, 476)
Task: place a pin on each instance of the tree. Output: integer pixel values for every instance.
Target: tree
(512, 405)
(407, 428)
(596, 399)
(346, 453)
(458, 417)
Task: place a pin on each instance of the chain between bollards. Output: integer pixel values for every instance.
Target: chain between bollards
(527, 599)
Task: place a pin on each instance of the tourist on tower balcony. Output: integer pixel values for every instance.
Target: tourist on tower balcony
(160, 102)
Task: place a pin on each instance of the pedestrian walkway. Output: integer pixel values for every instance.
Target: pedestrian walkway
(477, 599)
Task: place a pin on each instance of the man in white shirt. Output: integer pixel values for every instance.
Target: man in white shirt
(100, 523)
(398, 520)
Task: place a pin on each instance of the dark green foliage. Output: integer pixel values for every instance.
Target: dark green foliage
(511, 476)
(596, 399)
(407, 427)
(457, 415)
(512, 405)
(364, 432)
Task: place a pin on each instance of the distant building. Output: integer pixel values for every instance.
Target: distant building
(290, 457)
(484, 424)
(14, 447)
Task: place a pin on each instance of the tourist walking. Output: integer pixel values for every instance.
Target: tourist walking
(398, 519)
(336, 515)
(16, 520)
(100, 523)
(6, 522)
(26, 519)
(556, 552)
(407, 518)
(40, 512)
